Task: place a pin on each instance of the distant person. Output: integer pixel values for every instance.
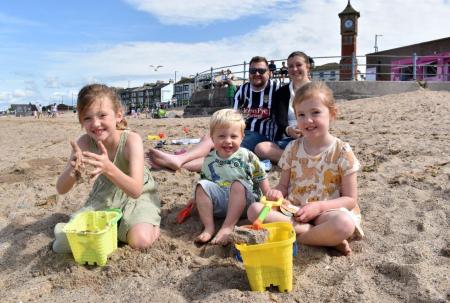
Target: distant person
(272, 68)
(283, 72)
(231, 88)
(253, 100)
(54, 110)
(116, 156)
(39, 111)
(231, 178)
(318, 177)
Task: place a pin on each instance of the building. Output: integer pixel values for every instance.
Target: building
(349, 32)
(326, 72)
(149, 95)
(22, 110)
(432, 62)
(183, 90)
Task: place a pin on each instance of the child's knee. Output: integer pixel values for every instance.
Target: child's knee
(253, 210)
(142, 236)
(237, 186)
(345, 225)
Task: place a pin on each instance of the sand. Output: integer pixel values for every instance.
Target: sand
(402, 141)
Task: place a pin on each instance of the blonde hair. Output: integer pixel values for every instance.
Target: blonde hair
(225, 118)
(316, 89)
(93, 92)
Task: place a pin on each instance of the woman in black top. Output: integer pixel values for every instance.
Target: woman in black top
(299, 67)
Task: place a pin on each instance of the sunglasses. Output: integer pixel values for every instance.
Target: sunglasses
(254, 70)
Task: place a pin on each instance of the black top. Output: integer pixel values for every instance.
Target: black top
(280, 109)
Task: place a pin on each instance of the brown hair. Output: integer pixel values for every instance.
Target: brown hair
(308, 59)
(93, 92)
(257, 59)
(316, 89)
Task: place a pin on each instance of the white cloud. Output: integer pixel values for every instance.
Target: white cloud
(313, 27)
(183, 12)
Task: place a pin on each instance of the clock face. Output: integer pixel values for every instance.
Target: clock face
(348, 23)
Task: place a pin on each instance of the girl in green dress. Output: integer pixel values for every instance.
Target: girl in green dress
(115, 158)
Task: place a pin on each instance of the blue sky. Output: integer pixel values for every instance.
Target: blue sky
(49, 49)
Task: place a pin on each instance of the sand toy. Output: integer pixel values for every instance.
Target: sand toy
(92, 235)
(270, 263)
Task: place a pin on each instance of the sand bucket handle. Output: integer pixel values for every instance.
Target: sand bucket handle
(118, 216)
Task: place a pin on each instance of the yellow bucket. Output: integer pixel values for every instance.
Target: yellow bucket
(270, 263)
(92, 235)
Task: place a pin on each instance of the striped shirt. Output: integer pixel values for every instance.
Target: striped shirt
(256, 107)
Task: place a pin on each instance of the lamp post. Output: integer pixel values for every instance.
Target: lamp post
(175, 80)
(376, 40)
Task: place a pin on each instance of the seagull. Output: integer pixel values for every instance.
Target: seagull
(156, 67)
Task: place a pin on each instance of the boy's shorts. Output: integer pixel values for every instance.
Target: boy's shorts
(220, 197)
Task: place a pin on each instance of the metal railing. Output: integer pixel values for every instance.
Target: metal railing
(408, 67)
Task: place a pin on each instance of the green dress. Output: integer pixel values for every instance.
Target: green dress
(105, 194)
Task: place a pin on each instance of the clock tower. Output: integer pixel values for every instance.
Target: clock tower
(349, 30)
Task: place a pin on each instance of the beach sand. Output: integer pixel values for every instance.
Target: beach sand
(402, 141)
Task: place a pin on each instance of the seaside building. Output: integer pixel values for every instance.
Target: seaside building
(183, 90)
(150, 95)
(326, 72)
(426, 61)
(22, 110)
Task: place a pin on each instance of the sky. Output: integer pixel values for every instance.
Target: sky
(49, 49)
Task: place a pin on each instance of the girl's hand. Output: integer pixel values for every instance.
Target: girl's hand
(77, 156)
(99, 163)
(273, 194)
(308, 212)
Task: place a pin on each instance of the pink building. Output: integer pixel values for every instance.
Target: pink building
(434, 67)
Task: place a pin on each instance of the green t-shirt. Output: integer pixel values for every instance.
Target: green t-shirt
(243, 166)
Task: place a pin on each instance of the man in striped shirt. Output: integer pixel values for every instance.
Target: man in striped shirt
(254, 101)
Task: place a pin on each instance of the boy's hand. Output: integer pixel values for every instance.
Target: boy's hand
(308, 212)
(99, 162)
(273, 194)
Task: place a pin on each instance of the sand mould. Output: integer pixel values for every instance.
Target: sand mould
(402, 141)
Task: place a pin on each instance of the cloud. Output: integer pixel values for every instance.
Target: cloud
(52, 82)
(180, 12)
(311, 26)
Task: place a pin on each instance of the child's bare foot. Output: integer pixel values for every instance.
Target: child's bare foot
(344, 248)
(160, 159)
(205, 236)
(223, 236)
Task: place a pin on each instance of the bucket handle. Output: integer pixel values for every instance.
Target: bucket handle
(118, 216)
